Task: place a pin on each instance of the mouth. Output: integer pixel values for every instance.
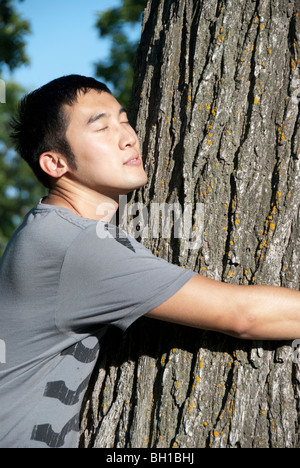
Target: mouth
(133, 161)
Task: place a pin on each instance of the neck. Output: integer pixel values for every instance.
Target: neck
(84, 202)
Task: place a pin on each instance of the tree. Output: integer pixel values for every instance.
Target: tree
(18, 187)
(13, 30)
(118, 69)
(19, 190)
(216, 106)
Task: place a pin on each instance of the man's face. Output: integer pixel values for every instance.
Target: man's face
(106, 148)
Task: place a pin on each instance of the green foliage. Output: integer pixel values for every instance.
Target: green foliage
(12, 32)
(118, 70)
(19, 190)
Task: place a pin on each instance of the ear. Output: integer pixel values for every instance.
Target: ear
(53, 164)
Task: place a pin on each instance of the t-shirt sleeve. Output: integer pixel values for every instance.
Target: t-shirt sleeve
(112, 279)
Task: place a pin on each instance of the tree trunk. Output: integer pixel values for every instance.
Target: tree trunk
(216, 106)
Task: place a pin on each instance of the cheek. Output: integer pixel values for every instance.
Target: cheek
(92, 152)
(98, 163)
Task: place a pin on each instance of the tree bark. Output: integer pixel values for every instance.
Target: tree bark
(216, 106)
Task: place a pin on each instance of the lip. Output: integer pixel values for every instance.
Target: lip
(134, 160)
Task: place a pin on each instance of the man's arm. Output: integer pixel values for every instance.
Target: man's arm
(247, 312)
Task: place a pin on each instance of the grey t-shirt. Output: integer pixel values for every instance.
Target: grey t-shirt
(63, 281)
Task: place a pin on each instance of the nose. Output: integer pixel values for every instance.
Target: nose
(128, 137)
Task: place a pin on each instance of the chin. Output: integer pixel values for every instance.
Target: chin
(141, 182)
(132, 188)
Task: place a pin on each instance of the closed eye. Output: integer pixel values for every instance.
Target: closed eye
(102, 129)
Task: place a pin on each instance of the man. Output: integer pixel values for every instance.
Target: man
(62, 285)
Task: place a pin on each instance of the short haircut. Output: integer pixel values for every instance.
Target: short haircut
(41, 122)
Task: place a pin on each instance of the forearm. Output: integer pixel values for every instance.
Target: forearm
(272, 313)
(247, 312)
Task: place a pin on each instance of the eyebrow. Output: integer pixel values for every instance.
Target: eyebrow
(101, 115)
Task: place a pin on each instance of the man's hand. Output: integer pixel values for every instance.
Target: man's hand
(247, 312)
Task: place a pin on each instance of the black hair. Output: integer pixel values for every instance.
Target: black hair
(41, 122)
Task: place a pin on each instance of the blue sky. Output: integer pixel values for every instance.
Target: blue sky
(64, 39)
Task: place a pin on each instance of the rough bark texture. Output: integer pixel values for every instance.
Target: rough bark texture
(216, 105)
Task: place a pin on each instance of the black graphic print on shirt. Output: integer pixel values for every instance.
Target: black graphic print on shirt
(80, 359)
(108, 230)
